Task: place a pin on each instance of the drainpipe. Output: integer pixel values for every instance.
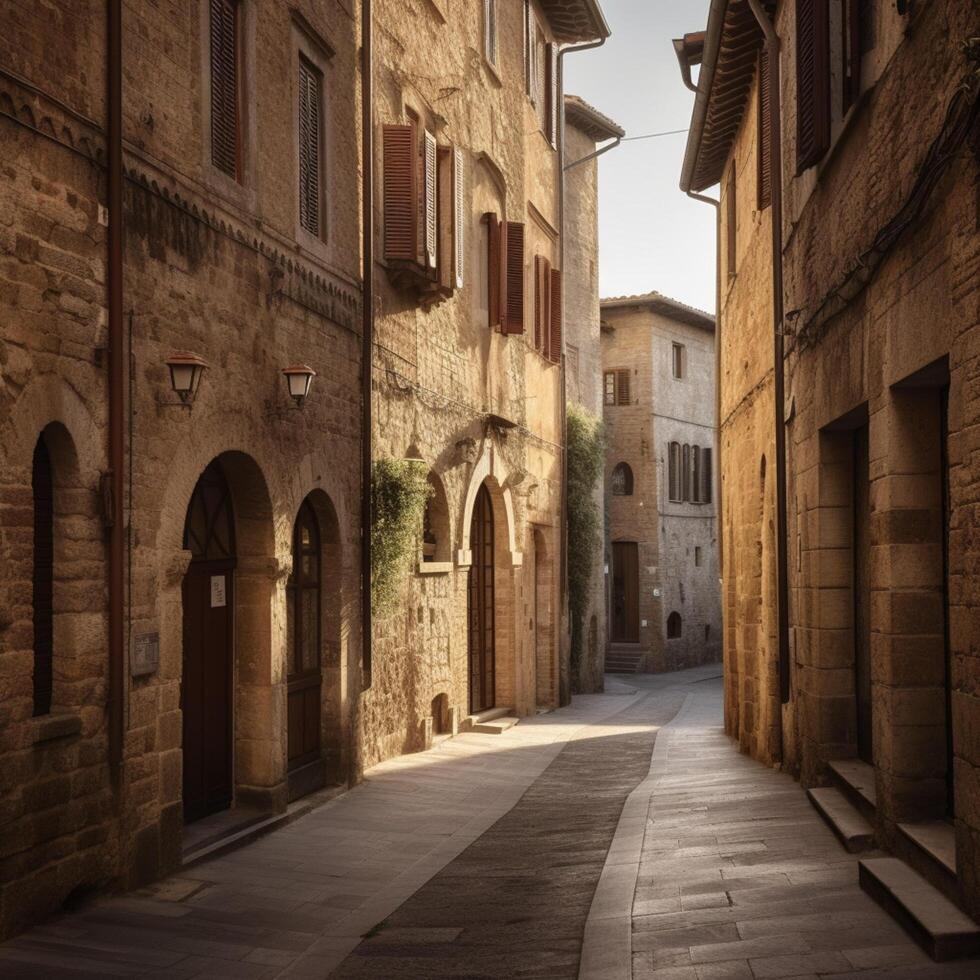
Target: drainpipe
(717, 488)
(563, 408)
(114, 288)
(367, 331)
(779, 396)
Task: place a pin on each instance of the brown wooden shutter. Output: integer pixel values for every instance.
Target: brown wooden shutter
(554, 351)
(430, 191)
(542, 301)
(623, 387)
(309, 147)
(851, 52)
(495, 258)
(42, 484)
(765, 134)
(225, 129)
(706, 476)
(514, 303)
(459, 218)
(400, 193)
(812, 82)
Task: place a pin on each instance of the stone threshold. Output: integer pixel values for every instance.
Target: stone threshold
(936, 840)
(856, 780)
(843, 818)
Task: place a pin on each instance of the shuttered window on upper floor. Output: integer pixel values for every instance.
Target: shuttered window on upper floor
(513, 312)
(225, 88)
(765, 133)
(310, 147)
(547, 309)
(812, 82)
(400, 192)
(616, 387)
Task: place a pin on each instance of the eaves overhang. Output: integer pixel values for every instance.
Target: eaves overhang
(664, 305)
(590, 120)
(574, 21)
(731, 48)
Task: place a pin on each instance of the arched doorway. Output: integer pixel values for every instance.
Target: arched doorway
(480, 597)
(303, 655)
(208, 646)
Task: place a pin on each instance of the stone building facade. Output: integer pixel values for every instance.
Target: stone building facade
(243, 682)
(585, 127)
(875, 691)
(658, 364)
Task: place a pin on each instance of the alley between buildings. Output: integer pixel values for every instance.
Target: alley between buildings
(628, 818)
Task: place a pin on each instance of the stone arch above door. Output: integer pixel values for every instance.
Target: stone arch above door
(492, 470)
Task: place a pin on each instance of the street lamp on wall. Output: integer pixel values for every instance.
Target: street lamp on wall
(299, 378)
(186, 369)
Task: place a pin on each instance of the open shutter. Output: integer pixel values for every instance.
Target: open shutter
(431, 204)
(309, 147)
(812, 82)
(514, 277)
(459, 223)
(400, 193)
(542, 308)
(706, 476)
(765, 133)
(623, 387)
(551, 118)
(554, 351)
(495, 258)
(225, 135)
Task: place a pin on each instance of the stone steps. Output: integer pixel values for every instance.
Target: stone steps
(930, 848)
(856, 780)
(936, 924)
(620, 661)
(493, 721)
(853, 831)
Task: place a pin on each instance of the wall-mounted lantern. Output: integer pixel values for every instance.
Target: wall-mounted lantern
(299, 377)
(186, 369)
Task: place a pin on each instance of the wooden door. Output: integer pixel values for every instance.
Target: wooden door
(626, 592)
(208, 609)
(862, 595)
(948, 663)
(304, 677)
(480, 598)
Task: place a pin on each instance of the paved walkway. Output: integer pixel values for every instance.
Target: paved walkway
(492, 855)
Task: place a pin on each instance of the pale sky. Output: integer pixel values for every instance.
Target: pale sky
(651, 235)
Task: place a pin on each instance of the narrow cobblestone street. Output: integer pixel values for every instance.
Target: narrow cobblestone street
(491, 856)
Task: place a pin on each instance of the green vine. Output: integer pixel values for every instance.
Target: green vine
(399, 491)
(585, 449)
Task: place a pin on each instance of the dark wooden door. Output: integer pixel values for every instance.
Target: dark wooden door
(948, 663)
(862, 595)
(304, 671)
(481, 606)
(209, 644)
(626, 592)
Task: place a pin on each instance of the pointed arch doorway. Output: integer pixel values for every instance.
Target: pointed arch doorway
(208, 646)
(481, 606)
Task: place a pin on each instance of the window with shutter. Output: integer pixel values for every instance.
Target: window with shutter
(609, 388)
(554, 351)
(542, 304)
(623, 387)
(764, 151)
(310, 89)
(731, 218)
(696, 474)
(851, 52)
(496, 269)
(552, 94)
(812, 82)
(528, 49)
(430, 202)
(400, 193)
(490, 31)
(686, 473)
(459, 223)
(514, 277)
(225, 84)
(707, 480)
(541, 79)
(674, 472)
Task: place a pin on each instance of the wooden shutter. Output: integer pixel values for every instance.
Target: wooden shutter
(554, 351)
(225, 129)
(686, 473)
(459, 218)
(623, 387)
(431, 204)
(400, 193)
(42, 484)
(696, 474)
(309, 147)
(513, 312)
(706, 477)
(851, 52)
(551, 94)
(764, 153)
(496, 268)
(542, 304)
(812, 82)
(673, 467)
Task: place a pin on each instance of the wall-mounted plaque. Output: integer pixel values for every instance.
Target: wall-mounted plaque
(145, 655)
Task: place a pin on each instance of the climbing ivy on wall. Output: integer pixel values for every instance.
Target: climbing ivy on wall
(585, 448)
(399, 491)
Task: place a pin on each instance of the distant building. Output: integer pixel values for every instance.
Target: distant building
(658, 367)
(585, 127)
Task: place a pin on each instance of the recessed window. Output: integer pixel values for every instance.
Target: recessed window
(621, 482)
(697, 556)
(226, 87)
(674, 626)
(677, 360)
(310, 155)
(616, 387)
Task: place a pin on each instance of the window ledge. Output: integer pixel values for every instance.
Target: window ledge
(47, 728)
(493, 72)
(435, 567)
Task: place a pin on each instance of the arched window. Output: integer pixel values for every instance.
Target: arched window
(42, 485)
(622, 480)
(674, 472)
(674, 626)
(435, 524)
